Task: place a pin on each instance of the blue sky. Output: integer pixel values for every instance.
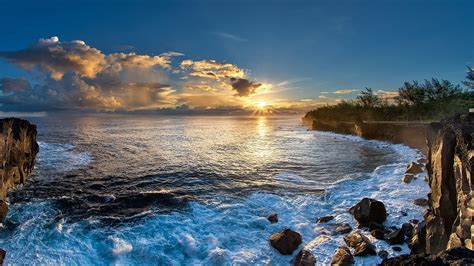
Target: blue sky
(308, 47)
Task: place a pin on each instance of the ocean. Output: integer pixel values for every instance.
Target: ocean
(192, 190)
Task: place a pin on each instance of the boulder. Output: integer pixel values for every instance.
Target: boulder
(421, 202)
(273, 218)
(455, 256)
(324, 219)
(305, 258)
(360, 243)
(407, 229)
(3, 210)
(414, 168)
(395, 237)
(285, 241)
(407, 178)
(378, 234)
(369, 210)
(382, 254)
(417, 243)
(342, 256)
(343, 229)
(3, 253)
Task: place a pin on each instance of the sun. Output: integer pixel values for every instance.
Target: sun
(261, 104)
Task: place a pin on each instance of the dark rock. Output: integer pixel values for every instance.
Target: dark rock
(360, 243)
(342, 256)
(414, 168)
(383, 254)
(324, 219)
(3, 253)
(407, 229)
(455, 256)
(422, 161)
(285, 241)
(395, 237)
(378, 234)
(407, 178)
(403, 213)
(421, 202)
(414, 221)
(373, 226)
(369, 210)
(397, 248)
(304, 258)
(273, 218)
(343, 229)
(3, 210)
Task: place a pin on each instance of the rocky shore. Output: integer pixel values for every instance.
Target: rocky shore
(18, 149)
(444, 236)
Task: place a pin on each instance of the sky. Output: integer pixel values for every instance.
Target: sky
(224, 55)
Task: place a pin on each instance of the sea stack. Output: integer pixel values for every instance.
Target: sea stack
(18, 149)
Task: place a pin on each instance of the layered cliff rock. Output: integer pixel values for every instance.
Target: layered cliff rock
(450, 218)
(18, 149)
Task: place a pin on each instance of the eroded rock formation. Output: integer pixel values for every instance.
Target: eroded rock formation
(18, 149)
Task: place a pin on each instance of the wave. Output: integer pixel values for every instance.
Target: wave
(61, 157)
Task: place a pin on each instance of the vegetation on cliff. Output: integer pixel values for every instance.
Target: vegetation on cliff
(429, 100)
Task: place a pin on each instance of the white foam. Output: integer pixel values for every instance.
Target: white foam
(61, 157)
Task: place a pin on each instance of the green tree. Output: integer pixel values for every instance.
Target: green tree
(368, 98)
(412, 94)
(470, 78)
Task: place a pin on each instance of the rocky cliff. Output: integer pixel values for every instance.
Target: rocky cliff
(412, 134)
(18, 149)
(449, 220)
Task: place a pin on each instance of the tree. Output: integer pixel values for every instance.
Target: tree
(368, 98)
(439, 90)
(470, 78)
(412, 94)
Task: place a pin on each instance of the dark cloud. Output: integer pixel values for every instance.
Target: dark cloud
(244, 87)
(8, 85)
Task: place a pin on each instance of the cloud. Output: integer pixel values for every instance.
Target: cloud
(322, 97)
(244, 87)
(8, 85)
(229, 36)
(344, 91)
(212, 69)
(389, 95)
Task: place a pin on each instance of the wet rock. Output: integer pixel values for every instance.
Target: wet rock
(417, 243)
(378, 234)
(414, 221)
(304, 258)
(414, 168)
(360, 243)
(397, 248)
(407, 229)
(285, 241)
(395, 237)
(3, 253)
(273, 218)
(455, 256)
(343, 229)
(403, 213)
(422, 161)
(383, 254)
(369, 210)
(324, 219)
(373, 226)
(421, 202)
(407, 178)
(342, 256)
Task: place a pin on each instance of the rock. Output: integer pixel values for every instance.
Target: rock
(407, 178)
(403, 213)
(3, 210)
(369, 210)
(3, 253)
(342, 256)
(417, 242)
(373, 226)
(343, 229)
(324, 219)
(421, 202)
(273, 218)
(422, 161)
(407, 229)
(18, 149)
(304, 258)
(397, 248)
(414, 168)
(378, 234)
(360, 243)
(383, 254)
(455, 256)
(414, 221)
(450, 168)
(285, 241)
(395, 237)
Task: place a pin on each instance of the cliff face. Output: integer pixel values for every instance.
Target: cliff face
(411, 134)
(18, 149)
(450, 218)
